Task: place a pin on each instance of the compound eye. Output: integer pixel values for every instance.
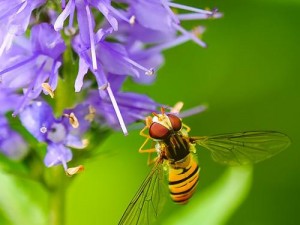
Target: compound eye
(175, 121)
(158, 131)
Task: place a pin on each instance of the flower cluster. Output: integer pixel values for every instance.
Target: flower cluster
(49, 50)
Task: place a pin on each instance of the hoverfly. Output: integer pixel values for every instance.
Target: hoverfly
(175, 151)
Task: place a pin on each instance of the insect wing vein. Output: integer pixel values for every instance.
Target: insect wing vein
(244, 148)
(149, 199)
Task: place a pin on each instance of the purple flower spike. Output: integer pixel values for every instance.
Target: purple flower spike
(34, 63)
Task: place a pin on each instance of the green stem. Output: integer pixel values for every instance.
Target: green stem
(57, 193)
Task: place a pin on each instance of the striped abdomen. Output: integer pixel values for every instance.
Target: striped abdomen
(183, 179)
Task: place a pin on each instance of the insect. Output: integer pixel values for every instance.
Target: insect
(176, 151)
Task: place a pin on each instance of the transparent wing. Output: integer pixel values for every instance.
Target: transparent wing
(149, 199)
(245, 147)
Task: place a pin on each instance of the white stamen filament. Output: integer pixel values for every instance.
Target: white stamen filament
(189, 8)
(193, 111)
(147, 71)
(92, 41)
(179, 40)
(191, 35)
(116, 108)
(198, 16)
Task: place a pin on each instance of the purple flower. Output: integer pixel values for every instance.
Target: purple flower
(164, 19)
(133, 106)
(58, 133)
(86, 21)
(112, 59)
(11, 143)
(31, 63)
(14, 19)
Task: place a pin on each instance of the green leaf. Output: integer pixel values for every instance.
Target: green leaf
(11, 166)
(217, 203)
(21, 201)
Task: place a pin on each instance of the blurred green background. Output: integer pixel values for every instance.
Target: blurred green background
(248, 77)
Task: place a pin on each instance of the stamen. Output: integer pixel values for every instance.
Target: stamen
(191, 35)
(193, 111)
(73, 120)
(85, 143)
(117, 13)
(162, 109)
(46, 87)
(177, 107)
(71, 18)
(116, 108)
(198, 16)
(91, 115)
(59, 23)
(147, 71)
(170, 44)
(91, 34)
(132, 20)
(43, 130)
(171, 13)
(69, 31)
(189, 8)
(74, 170)
(150, 72)
(198, 31)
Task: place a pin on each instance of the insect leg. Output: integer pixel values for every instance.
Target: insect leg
(150, 150)
(188, 129)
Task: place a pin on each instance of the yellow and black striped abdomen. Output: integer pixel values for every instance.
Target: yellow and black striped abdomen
(183, 179)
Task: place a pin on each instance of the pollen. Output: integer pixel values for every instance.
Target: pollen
(91, 115)
(150, 72)
(132, 20)
(198, 31)
(46, 87)
(43, 130)
(74, 170)
(73, 120)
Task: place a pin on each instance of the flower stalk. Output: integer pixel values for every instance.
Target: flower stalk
(57, 196)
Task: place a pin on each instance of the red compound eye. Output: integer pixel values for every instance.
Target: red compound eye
(175, 121)
(158, 131)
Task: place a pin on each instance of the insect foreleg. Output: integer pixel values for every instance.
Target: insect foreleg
(188, 129)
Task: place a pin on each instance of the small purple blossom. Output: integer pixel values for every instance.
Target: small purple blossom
(59, 135)
(11, 143)
(33, 62)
